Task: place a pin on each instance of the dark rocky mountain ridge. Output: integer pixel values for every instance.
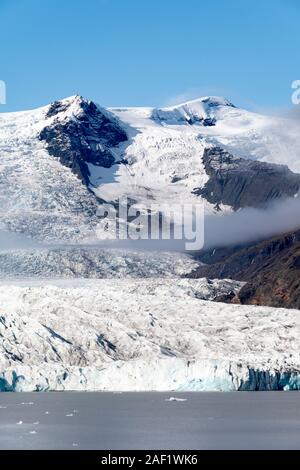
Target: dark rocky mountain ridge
(87, 137)
(240, 183)
(270, 268)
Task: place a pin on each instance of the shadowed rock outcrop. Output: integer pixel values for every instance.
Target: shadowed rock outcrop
(83, 136)
(239, 183)
(270, 268)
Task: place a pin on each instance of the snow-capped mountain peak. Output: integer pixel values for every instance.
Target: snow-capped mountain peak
(146, 154)
(79, 133)
(67, 107)
(73, 107)
(202, 103)
(199, 111)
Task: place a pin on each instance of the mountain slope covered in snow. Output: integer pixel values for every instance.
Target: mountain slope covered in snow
(59, 162)
(39, 197)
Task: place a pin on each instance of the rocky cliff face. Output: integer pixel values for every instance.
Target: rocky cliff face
(277, 283)
(239, 183)
(270, 268)
(83, 137)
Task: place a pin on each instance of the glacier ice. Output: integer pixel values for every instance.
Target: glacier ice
(50, 338)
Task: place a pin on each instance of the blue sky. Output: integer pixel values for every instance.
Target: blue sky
(149, 52)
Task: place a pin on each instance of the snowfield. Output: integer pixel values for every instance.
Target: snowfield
(150, 334)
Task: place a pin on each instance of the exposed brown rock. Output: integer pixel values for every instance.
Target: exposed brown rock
(271, 269)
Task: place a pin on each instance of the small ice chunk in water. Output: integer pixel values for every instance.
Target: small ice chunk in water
(37, 422)
(46, 412)
(33, 432)
(20, 422)
(74, 444)
(70, 414)
(176, 399)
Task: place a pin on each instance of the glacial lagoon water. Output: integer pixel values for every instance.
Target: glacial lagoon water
(108, 421)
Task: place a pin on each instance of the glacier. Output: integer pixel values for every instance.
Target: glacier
(77, 317)
(142, 335)
(91, 262)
